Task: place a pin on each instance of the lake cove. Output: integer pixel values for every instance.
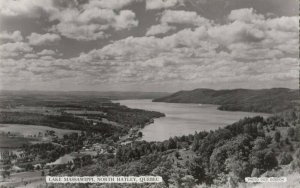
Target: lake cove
(183, 119)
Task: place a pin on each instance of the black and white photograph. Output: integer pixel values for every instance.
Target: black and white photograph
(149, 94)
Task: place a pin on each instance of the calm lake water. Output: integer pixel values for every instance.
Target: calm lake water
(184, 119)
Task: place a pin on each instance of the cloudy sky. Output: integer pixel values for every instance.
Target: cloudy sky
(148, 45)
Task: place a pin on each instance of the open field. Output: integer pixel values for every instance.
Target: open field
(24, 179)
(31, 130)
(33, 109)
(13, 142)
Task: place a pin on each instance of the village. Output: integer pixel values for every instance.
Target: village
(20, 162)
(47, 151)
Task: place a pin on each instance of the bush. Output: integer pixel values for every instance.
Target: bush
(255, 172)
(291, 132)
(270, 160)
(277, 136)
(285, 158)
(177, 155)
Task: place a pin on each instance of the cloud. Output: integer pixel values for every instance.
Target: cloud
(11, 37)
(182, 17)
(14, 49)
(46, 52)
(80, 32)
(92, 23)
(288, 24)
(125, 20)
(109, 4)
(36, 39)
(159, 29)
(245, 15)
(81, 20)
(172, 18)
(47, 57)
(30, 56)
(161, 4)
(252, 48)
(261, 50)
(236, 32)
(28, 8)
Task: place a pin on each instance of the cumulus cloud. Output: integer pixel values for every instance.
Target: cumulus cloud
(10, 36)
(125, 20)
(171, 18)
(160, 4)
(109, 4)
(196, 54)
(82, 20)
(245, 15)
(236, 32)
(43, 39)
(92, 23)
(14, 49)
(182, 17)
(287, 24)
(28, 8)
(47, 57)
(46, 52)
(258, 50)
(30, 56)
(159, 29)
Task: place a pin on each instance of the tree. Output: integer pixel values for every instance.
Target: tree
(176, 179)
(195, 144)
(285, 158)
(172, 144)
(197, 170)
(255, 172)
(260, 126)
(140, 134)
(291, 132)
(29, 167)
(270, 160)
(5, 174)
(257, 158)
(260, 144)
(163, 170)
(188, 181)
(177, 155)
(238, 168)
(277, 136)
(217, 160)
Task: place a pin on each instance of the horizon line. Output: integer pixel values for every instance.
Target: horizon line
(127, 91)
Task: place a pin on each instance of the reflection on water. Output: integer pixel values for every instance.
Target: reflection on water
(183, 119)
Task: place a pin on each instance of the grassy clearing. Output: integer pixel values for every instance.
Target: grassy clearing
(13, 142)
(32, 130)
(24, 179)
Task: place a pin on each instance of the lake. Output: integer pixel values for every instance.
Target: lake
(183, 119)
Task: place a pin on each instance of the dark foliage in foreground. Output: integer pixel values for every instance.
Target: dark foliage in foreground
(246, 148)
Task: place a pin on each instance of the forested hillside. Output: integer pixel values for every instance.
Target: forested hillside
(264, 100)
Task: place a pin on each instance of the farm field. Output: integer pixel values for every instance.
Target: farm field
(24, 179)
(13, 142)
(31, 130)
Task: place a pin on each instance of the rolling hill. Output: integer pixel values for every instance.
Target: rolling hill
(263, 100)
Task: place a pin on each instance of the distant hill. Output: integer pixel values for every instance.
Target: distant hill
(263, 100)
(112, 95)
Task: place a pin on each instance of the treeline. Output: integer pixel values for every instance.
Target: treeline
(65, 121)
(47, 152)
(50, 99)
(131, 117)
